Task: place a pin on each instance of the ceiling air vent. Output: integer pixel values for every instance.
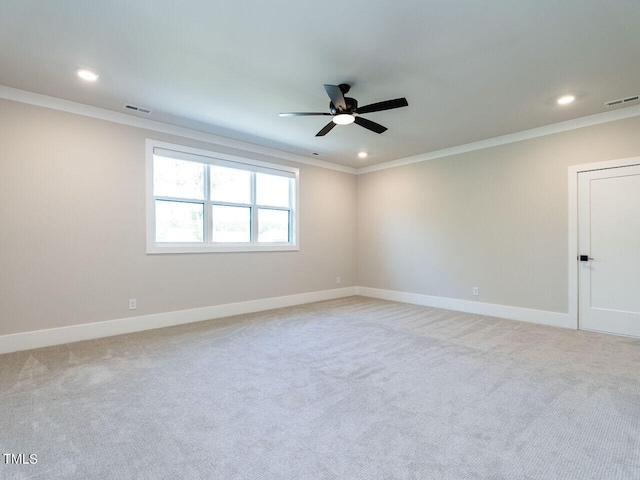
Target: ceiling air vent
(135, 108)
(621, 101)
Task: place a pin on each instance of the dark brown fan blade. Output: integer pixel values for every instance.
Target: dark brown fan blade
(301, 114)
(388, 105)
(326, 129)
(336, 96)
(368, 124)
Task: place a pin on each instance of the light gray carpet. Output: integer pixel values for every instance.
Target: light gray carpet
(353, 388)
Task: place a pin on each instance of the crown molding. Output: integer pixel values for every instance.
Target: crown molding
(68, 106)
(55, 103)
(565, 126)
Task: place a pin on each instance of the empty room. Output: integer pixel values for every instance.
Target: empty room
(342, 240)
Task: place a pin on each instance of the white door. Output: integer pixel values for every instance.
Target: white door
(609, 250)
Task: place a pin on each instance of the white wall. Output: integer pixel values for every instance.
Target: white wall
(72, 247)
(494, 218)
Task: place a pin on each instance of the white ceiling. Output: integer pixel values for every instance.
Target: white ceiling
(470, 69)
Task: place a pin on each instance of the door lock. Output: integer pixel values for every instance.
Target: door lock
(584, 258)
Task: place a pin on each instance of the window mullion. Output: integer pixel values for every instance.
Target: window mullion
(254, 210)
(291, 207)
(230, 204)
(208, 221)
(178, 199)
(269, 207)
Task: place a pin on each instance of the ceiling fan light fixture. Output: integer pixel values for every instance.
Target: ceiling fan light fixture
(343, 119)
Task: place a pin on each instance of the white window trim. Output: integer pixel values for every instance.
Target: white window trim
(216, 158)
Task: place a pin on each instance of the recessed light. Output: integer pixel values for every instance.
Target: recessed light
(363, 154)
(87, 75)
(566, 99)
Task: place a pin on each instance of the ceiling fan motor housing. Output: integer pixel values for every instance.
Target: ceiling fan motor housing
(352, 105)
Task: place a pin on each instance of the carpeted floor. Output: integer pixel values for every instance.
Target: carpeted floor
(354, 388)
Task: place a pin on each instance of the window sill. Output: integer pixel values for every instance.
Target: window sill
(227, 248)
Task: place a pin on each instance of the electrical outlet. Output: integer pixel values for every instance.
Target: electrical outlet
(338, 280)
(476, 291)
(133, 304)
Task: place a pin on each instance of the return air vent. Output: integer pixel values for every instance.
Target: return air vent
(135, 108)
(620, 101)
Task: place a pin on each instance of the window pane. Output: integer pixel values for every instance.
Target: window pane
(231, 224)
(230, 185)
(273, 225)
(179, 221)
(177, 178)
(272, 190)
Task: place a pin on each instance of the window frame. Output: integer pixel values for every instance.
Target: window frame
(208, 157)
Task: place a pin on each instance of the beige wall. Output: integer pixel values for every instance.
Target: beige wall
(72, 242)
(494, 218)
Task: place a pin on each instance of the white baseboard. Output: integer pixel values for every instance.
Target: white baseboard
(75, 333)
(542, 317)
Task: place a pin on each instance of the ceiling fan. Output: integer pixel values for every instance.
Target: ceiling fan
(345, 110)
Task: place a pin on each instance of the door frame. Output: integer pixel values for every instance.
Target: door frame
(573, 171)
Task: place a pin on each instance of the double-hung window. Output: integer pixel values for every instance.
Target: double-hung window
(201, 201)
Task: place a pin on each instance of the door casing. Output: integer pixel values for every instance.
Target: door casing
(573, 225)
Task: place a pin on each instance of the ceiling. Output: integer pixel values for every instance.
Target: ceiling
(470, 70)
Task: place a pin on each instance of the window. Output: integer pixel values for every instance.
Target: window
(200, 201)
